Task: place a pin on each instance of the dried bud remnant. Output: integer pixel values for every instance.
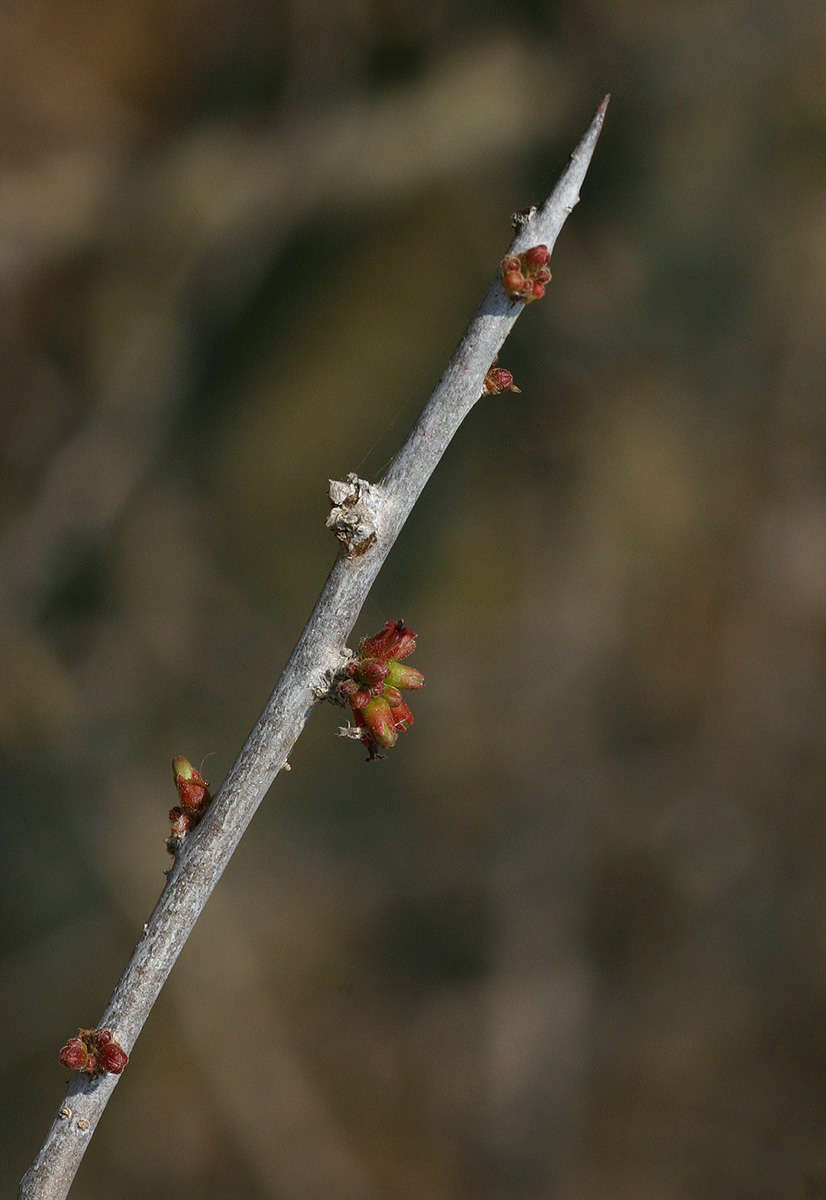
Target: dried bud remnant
(370, 684)
(524, 276)
(354, 513)
(95, 1052)
(523, 217)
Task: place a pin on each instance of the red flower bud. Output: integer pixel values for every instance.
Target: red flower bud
(74, 1055)
(379, 723)
(112, 1058)
(193, 796)
(94, 1051)
(498, 380)
(512, 282)
(523, 276)
(193, 793)
(371, 670)
(535, 258)
(394, 641)
(372, 682)
(407, 645)
(192, 787)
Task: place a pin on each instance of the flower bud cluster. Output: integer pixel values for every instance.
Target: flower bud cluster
(524, 276)
(497, 380)
(95, 1052)
(372, 685)
(193, 794)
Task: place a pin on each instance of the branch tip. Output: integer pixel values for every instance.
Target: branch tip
(591, 137)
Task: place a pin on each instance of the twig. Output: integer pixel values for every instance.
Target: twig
(370, 519)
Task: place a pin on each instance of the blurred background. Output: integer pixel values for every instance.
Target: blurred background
(569, 939)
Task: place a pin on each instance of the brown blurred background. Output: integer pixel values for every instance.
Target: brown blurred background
(569, 940)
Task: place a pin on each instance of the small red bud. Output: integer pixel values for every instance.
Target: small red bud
(372, 682)
(74, 1055)
(372, 670)
(512, 282)
(191, 785)
(498, 380)
(406, 643)
(536, 257)
(394, 641)
(112, 1058)
(183, 771)
(522, 274)
(193, 793)
(94, 1051)
(378, 721)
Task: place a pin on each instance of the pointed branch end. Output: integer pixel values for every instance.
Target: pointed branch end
(585, 150)
(595, 128)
